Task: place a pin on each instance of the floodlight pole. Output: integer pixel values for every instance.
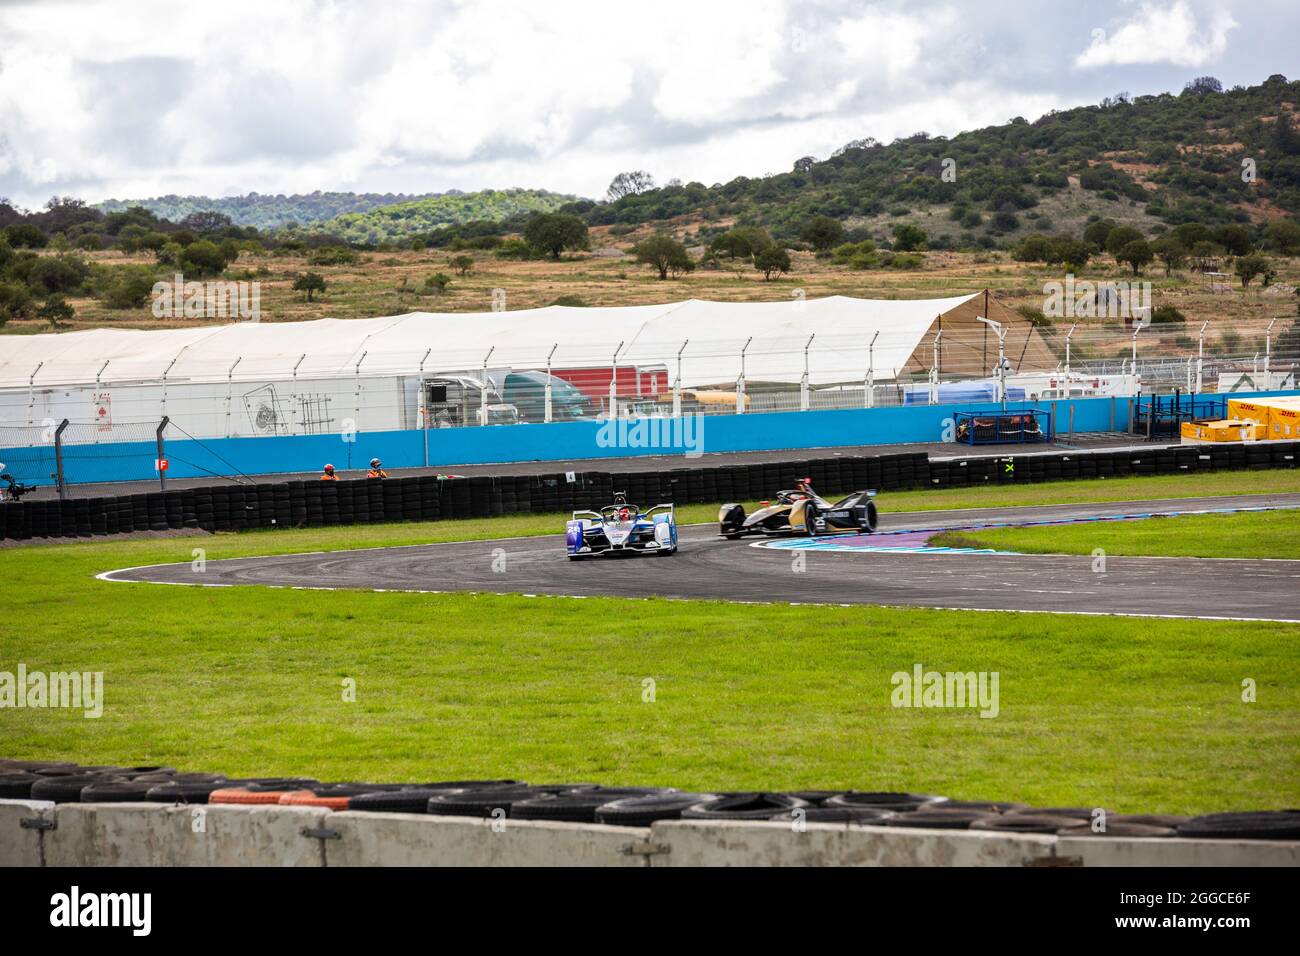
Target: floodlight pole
(1001, 333)
(934, 369)
(677, 382)
(1268, 353)
(546, 416)
(356, 393)
(1200, 357)
(293, 406)
(803, 384)
(1137, 327)
(740, 382)
(613, 382)
(230, 377)
(483, 393)
(1068, 335)
(869, 399)
(164, 384)
(31, 393)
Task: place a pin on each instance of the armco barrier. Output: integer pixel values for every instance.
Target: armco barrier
(297, 504)
(33, 833)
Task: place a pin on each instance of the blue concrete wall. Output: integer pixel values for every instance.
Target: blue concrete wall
(555, 442)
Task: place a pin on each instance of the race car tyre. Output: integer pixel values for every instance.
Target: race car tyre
(743, 806)
(1261, 825)
(810, 519)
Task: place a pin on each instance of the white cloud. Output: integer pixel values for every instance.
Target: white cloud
(1160, 34)
(106, 99)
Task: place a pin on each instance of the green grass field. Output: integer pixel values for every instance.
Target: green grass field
(1266, 534)
(1093, 711)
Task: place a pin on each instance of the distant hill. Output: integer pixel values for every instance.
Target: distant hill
(1147, 160)
(399, 221)
(268, 212)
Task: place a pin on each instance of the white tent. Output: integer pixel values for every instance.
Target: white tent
(777, 333)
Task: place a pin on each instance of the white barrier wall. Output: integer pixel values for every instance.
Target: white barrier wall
(36, 833)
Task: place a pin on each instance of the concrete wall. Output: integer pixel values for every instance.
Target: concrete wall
(151, 834)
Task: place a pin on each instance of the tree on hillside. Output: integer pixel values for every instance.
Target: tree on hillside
(1071, 253)
(1119, 237)
(1283, 236)
(772, 261)
(56, 311)
(550, 233)
(909, 238)
(1202, 85)
(663, 253)
(206, 221)
(1136, 254)
(742, 242)
(822, 233)
(462, 264)
(629, 184)
(204, 258)
(1096, 232)
(1248, 267)
(309, 282)
(1234, 238)
(1169, 250)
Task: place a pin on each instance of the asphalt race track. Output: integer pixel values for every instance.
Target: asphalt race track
(709, 567)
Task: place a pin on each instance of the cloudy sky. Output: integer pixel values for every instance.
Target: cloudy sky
(102, 99)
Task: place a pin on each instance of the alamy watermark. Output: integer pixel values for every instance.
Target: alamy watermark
(684, 433)
(79, 690)
(215, 299)
(1088, 300)
(950, 689)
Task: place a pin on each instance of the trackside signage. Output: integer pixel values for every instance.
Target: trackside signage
(131, 910)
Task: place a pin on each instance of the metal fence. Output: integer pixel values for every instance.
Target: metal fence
(446, 388)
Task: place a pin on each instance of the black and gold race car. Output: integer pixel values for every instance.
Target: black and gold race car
(801, 511)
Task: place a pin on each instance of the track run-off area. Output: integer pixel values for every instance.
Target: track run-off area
(892, 568)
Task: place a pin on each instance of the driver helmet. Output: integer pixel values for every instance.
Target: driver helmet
(374, 462)
(329, 469)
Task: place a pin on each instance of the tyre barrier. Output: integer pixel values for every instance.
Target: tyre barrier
(299, 504)
(144, 816)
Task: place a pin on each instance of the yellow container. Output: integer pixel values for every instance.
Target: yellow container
(1284, 423)
(1224, 430)
(1255, 409)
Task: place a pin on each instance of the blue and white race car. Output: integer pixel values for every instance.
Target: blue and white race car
(622, 527)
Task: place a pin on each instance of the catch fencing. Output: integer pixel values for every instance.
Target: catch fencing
(446, 387)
